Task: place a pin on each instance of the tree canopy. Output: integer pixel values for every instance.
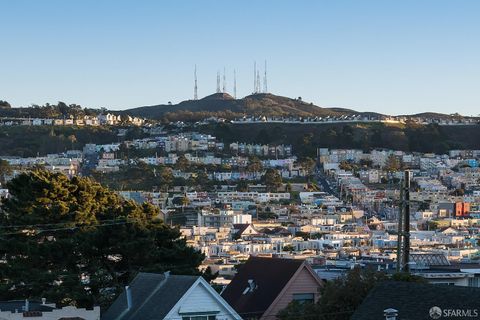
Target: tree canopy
(272, 179)
(75, 242)
(5, 169)
(339, 298)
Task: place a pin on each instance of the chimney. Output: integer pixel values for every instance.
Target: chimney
(128, 293)
(390, 314)
(27, 305)
(166, 274)
(252, 285)
(44, 300)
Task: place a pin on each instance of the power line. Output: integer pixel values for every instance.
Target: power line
(72, 228)
(53, 224)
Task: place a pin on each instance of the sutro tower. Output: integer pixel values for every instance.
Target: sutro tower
(195, 89)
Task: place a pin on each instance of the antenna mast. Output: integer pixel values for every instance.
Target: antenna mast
(254, 77)
(195, 90)
(218, 82)
(265, 88)
(224, 81)
(234, 84)
(258, 82)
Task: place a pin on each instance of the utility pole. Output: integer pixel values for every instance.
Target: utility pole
(400, 229)
(406, 227)
(403, 238)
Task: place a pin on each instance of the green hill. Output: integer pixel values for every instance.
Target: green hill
(224, 105)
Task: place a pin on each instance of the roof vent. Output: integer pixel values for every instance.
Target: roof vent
(251, 286)
(390, 314)
(128, 293)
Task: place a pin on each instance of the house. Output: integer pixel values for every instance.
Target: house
(152, 296)
(412, 301)
(26, 309)
(243, 230)
(265, 286)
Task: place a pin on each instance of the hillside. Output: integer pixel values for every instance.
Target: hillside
(366, 136)
(224, 105)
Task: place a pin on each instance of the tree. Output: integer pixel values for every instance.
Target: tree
(242, 185)
(76, 243)
(4, 104)
(72, 139)
(341, 297)
(203, 181)
(393, 164)
(254, 165)
(182, 163)
(5, 170)
(272, 180)
(166, 177)
(308, 164)
(184, 201)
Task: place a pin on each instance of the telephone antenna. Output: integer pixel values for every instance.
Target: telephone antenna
(258, 82)
(234, 84)
(218, 82)
(254, 77)
(265, 88)
(224, 81)
(195, 90)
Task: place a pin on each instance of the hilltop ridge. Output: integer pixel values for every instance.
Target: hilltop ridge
(224, 105)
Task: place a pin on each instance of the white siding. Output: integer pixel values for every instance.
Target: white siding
(201, 299)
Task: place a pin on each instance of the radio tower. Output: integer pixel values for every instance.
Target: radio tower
(265, 88)
(254, 77)
(224, 81)
(258, 82)
(234, 84)
(195, 90)
(218, 82)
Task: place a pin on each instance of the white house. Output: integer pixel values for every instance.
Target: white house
(153, 296)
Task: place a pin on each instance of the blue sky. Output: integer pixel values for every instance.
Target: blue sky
(393, 57)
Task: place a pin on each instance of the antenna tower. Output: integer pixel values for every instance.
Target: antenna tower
(265, 88)
(254, 77)
(218, 82)
(234, 84)
(258, 82)
(195, 90)
(224, 81)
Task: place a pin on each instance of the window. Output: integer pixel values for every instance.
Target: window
(204, 317)
(304, 297)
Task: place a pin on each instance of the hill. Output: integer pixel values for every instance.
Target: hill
(224, 105)
(366, 136)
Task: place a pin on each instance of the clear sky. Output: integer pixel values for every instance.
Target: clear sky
(393, 57)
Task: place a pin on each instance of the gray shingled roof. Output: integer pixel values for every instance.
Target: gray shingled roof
(153, 296)
(414, 300)
(270, 275)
